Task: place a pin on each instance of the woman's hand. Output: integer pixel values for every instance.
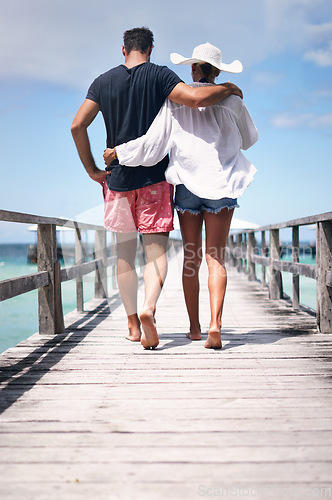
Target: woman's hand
(109, 156)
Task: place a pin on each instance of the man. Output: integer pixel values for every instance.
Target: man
(129, 97)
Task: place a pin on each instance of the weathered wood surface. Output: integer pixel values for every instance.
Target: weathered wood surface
(6, 215)
(17, 286)
(303, 221)
(89, 415)
(324, 267)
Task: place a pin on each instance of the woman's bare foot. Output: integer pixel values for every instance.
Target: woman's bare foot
(214, 339)
(134, 328)
(194, 333)
(149, 339)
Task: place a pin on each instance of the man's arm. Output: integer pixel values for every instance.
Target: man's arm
(84, 117)
(195, 97)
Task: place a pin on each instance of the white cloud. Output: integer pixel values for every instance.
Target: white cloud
(310, 120)
(70, 42)
(268, 78)
(288, 120)
(320, 57)
(320, 33)
(324, 121)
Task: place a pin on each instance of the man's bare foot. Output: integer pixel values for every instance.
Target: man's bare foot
(194, 334)
(214, 340)
(149, 339)
(134, 328)
(134, 336)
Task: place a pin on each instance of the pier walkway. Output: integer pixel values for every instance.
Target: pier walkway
(90, 415)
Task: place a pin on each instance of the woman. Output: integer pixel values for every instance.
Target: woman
(209, 172)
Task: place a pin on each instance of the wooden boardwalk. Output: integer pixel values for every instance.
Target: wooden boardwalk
(89, 415)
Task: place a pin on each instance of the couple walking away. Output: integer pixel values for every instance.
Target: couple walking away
(150, 112)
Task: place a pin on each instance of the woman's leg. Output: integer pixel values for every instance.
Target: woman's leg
(191, 230)
(216, 234)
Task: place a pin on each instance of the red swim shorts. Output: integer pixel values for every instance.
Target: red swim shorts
(148, 209)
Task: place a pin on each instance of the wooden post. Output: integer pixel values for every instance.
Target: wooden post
(101, 271)
(238, 253)
(263, 255)
(296, 277)
(275, 278)
(250, 252)
(49, 297)
(231, 246)
(79, 280)
(324, 268)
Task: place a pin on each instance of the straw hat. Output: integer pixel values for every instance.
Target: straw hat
(210, 54)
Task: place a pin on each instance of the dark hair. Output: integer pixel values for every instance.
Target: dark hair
(208, 70)
(140, 39)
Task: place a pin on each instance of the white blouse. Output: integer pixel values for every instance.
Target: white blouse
(204, 145)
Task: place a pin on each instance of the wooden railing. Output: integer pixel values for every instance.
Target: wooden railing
(49, 277)
(244, 254)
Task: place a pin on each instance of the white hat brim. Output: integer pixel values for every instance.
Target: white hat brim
(234, 67)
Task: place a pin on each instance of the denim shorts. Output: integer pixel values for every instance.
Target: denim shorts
(186, 201)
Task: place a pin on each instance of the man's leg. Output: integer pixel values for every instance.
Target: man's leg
(126, 244)
(155, 246)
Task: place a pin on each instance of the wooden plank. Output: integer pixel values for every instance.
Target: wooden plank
(17, 286)
(78, 261)
(111, 261)
(258, 259)
(101, 257)
(49, 297)
(156, 453)
(73, 272)
(275, 278)
(174, 472)
(251, 268)
(328, 278)
(303, 221)
(295, 260)
(308, 270)
(324, 264)
(9, 216)
(266, 262)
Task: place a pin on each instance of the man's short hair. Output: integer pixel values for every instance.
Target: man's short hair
(140, 39)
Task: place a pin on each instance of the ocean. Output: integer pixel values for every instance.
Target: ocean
(19, 315)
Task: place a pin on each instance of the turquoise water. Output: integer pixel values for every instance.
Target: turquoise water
(19, 315)
(307, 285)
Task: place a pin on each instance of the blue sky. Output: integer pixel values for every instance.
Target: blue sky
(51, 51)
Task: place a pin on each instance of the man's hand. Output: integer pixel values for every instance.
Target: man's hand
(99, 175)
(109, 156)
(233, 88)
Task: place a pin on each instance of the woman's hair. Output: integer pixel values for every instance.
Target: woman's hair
(207, 70)
(140, 39)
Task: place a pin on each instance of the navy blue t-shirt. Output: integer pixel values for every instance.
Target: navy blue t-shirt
(130, 99)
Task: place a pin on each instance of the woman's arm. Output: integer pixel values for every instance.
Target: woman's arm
(247, 128)
(148, 149)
